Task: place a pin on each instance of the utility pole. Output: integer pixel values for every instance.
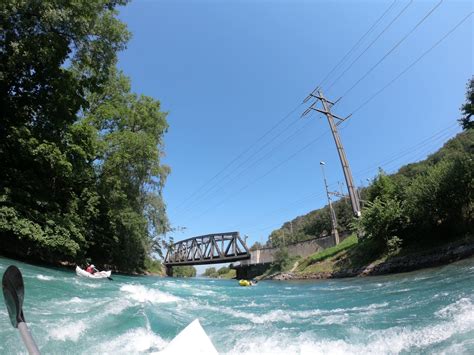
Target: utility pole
(332, 214)
(326, 110)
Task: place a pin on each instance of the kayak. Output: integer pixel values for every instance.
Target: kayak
(191, 340)
(97, 275)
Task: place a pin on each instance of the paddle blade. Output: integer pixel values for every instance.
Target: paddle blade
(13, 292)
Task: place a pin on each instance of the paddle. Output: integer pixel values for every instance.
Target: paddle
(14, 292)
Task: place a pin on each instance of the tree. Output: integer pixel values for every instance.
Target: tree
(468, 108)
(184, 271)
(51, 54)
(281, 259)
(210, 272)
(382, 221)
(256, 246)
(130, 174)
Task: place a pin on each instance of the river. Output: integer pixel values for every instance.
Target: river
(428, 311)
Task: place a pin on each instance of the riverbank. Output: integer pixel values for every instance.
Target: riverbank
(348, 262)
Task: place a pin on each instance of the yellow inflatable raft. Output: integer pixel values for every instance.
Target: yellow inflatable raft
(244, 283)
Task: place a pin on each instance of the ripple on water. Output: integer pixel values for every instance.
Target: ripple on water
(459, 319)
(141, 293)
(134, 341)
(66, 330)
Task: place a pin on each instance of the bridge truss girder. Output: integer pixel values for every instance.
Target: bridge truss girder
(207, 249)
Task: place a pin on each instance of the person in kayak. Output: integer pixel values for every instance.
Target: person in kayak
(91, 269)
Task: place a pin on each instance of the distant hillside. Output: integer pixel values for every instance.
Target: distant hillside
(317, 222)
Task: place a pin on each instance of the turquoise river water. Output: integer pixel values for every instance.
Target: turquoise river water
(428, 311)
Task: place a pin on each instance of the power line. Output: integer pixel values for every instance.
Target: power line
(355, 46)
(393, 48)
(235, 177)
(356, 110)
(412, 64)
(443, 134)
(215, 188)
(387, 85)
(371, 44)
(239, 156)
(384, 163)
(264, 175)
(196, 192)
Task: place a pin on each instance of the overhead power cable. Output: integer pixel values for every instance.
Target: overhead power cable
(239, 156)
(370, 45)
(218, 186)
(412, 64)
(355, 46)
(236, 176)
(439, 135)
(306, 146)
(196, 193)
(393, 48)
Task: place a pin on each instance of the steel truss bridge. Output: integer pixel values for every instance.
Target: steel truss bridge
(207, 249)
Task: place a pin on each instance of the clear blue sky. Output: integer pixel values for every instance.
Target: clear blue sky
(228, 71)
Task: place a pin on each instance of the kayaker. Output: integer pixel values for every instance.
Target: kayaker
(91, 269)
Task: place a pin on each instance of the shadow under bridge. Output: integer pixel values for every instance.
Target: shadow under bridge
(206, 249)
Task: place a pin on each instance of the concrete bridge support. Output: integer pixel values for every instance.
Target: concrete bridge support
(169, 271)
(248, 272)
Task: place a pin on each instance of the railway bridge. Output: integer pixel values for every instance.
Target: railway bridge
(206, 249)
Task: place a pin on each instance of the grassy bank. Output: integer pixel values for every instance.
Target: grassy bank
(354, 257)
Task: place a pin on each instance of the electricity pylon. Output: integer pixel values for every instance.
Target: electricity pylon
(326, 110)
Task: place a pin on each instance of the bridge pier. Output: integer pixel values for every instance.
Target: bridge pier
(169, 270)
(248, 272)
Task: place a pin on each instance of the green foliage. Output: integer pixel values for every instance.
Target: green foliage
(81, 174)
(223, 270)
(429, 200)
(281, 259)
(383, 187)
(314, 224)
(210, 272)
(468, 108)
(381, 220)
(154, 266)
(256, 246)
(222, 273)
(184, 271)
(347, 243)
(130, 175)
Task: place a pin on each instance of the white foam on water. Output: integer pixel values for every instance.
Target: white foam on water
(457, 319)
(76, 300)
(116, 307)
(44, 277)
(134, 341)
(332, 319)
(67, 330)
(240, 327)
(143, 294)
(289, 316)
(451, 310)
(93, 284)
(199, 292)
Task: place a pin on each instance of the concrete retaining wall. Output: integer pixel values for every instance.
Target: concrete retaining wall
(303, 249)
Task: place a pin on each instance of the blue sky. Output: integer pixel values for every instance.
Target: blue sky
(229, 71)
